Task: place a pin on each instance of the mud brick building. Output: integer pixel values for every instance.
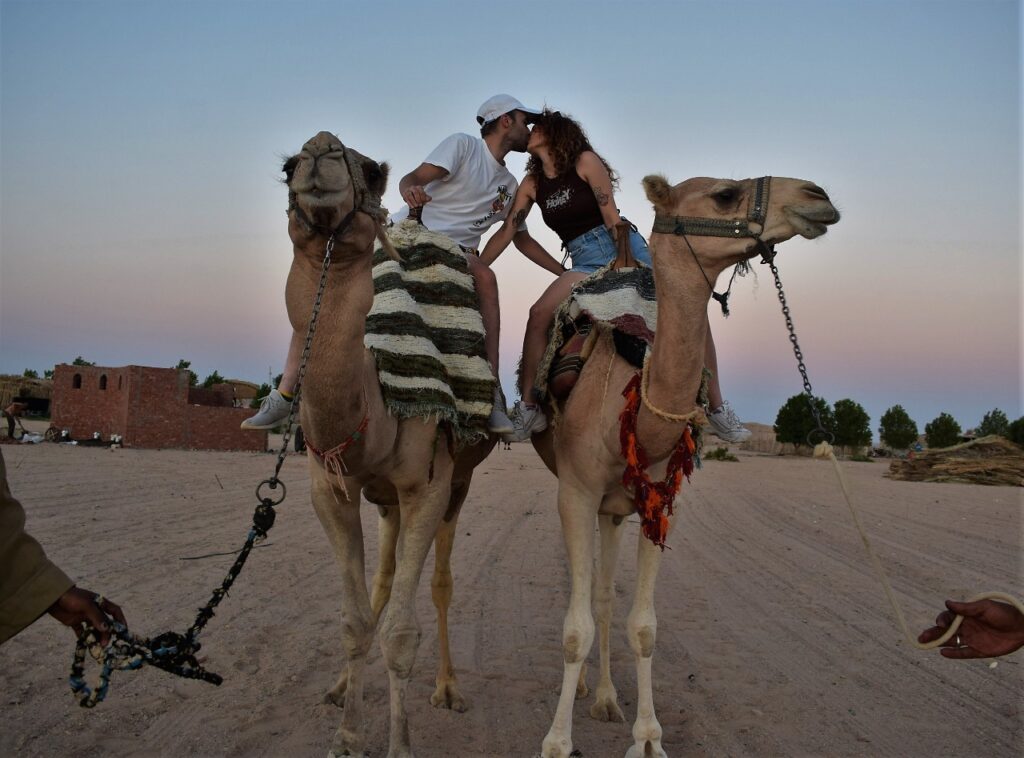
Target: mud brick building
(149, 407)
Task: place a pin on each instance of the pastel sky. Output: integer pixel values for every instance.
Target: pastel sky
(143, 221)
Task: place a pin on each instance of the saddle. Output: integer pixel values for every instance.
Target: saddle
(619, 299)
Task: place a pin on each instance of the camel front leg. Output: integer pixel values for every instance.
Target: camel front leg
(576, 509)
(642, 629)
(341, 520)
(387, 542)
(387, 538)
(606, 706)
(447, 694)
(422, 506)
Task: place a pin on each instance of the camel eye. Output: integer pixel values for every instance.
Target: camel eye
(727, 196)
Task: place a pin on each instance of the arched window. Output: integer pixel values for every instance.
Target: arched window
(120, 380)
(103, 381)
(76, 382)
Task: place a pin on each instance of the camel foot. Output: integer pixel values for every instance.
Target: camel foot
(647, 749)
(558, 747)
(605, 708)
(447, 695)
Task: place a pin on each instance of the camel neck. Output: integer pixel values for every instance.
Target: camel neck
(677, 357)
(332, 387)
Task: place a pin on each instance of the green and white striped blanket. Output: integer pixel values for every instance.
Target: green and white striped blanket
(426, 333)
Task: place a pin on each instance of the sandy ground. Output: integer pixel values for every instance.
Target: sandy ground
(774, 638)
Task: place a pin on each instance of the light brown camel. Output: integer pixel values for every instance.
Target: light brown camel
(583, 449)
(416, 482)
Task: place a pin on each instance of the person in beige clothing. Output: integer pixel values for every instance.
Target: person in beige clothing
(31, 584)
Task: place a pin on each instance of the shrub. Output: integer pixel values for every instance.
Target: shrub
(720, 454)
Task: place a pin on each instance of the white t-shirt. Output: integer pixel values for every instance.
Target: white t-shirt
(476, 194)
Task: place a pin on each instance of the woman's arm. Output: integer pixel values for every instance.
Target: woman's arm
(591, 169)
(517, 214)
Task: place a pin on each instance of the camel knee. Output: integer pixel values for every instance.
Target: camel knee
(577, 638)
(399, 644)
(356, 635)
(642, 636)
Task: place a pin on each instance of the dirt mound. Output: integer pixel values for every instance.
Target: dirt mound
(987, 460)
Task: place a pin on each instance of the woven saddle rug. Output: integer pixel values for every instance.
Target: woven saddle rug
(426, 333)
(619, 299)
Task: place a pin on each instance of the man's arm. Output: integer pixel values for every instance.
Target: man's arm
(533, 250)
(412, 184)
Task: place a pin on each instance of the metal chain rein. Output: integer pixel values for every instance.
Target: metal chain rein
(170, 651)
(819, 427)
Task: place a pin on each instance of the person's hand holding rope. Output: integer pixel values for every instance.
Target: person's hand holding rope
(78, 607)
(989, 629)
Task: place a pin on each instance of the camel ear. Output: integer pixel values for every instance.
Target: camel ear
(658, 191)
(289, 168)
(376, 175)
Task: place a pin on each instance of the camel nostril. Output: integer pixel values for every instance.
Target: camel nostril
(816, 192)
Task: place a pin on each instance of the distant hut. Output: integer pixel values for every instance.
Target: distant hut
(34, 393)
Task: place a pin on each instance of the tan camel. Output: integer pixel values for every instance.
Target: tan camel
(417, 483)
(584, 448)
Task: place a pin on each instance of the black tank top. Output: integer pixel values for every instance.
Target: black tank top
(568, 204)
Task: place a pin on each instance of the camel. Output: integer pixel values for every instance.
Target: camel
(583, 449)
(417, 482)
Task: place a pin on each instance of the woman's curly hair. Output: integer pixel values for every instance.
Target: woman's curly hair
(566, 141)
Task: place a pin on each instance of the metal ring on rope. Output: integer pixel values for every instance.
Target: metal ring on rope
(274, 484)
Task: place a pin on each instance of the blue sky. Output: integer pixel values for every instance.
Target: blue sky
(142, 221)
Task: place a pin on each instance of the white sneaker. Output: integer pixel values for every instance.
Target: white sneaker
(499, 422)
(726, 426)
(528, 421)
(273, 410)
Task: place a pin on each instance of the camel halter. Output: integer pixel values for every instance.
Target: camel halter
(698, 226)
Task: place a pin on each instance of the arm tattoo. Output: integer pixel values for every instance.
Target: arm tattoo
(520, 217)
(603, 198)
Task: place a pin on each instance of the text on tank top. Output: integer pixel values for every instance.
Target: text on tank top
(568, 205)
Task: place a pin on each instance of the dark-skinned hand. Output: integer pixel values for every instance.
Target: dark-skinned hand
(989, 629)
(79, 606)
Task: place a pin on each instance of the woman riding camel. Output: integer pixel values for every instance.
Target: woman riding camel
(574, 187)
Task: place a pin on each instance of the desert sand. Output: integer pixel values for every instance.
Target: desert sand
(774, 638)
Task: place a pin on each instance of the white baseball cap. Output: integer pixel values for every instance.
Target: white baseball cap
(498, 106)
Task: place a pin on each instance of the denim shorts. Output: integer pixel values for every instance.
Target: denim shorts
(596, 248)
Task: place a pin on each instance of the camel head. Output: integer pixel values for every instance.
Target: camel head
(724, 219)
(326, 182)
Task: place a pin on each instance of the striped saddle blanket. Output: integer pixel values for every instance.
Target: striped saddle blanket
(426, 333)
(621, 298)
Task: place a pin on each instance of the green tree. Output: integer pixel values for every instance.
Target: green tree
(896, 429)
(942, 431)
(48, 373)
(1015, 431)
(80, 361)
(30, 373)
(853, 424)
(795, 421)
(184, 365)
(261, 393)
(995, 422)
(212, 379)
(277, 380)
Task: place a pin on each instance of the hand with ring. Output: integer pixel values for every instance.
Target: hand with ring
(989, 629)
(78, 607)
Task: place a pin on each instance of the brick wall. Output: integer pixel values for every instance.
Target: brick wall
(148, 407)
(79, 403)
(213, 428)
